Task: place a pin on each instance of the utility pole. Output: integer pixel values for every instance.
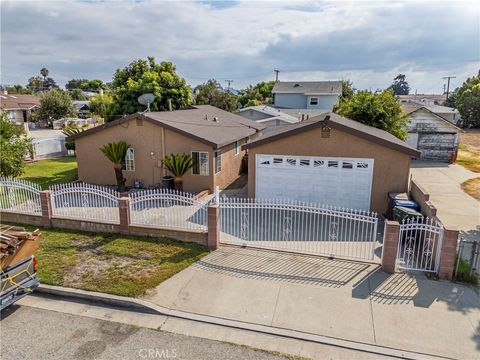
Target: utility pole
(228, 84)
(444, 88)
(276, 74)
(448, 83)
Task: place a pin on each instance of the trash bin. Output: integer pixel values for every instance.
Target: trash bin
(168, 182)
(392, 196)
(407, 204)
(401, 213)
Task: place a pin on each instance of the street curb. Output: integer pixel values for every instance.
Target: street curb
(147, 306)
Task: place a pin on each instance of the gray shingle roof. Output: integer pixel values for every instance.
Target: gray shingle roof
(308, 87)
(353, 127)
(204, 123)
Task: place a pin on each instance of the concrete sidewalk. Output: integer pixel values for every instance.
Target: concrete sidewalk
(455, 208)
(339, 299)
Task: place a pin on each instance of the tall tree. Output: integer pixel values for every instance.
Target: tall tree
(258, 94)
(93, 85)
(468, 101)
(381, 110)
(347, 90)
(100, 104)
(146, 76)
(44, 72)
(212, 93)
(36, 84)
(15, 145)
(74, 84)
(54, 105)
(400, 85)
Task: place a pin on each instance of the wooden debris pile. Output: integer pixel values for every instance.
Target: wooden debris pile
(12, 238)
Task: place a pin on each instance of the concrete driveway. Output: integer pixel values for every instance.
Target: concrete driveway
(339, 299)
(455, 208)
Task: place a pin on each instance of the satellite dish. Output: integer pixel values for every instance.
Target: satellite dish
(146, 99)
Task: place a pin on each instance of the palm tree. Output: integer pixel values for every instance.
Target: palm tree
(44, 73)
(116, 152)
(71, 130)
(178, 165)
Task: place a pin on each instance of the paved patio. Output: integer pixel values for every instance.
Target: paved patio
(340, 299)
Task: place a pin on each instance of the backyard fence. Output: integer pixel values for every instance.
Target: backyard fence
(169, 209)
(420, 244)
(85, 202)
(299, 227)
(469, 255)
(21, 196)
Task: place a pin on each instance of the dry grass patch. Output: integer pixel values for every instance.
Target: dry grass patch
(469, 158)
(111, 263)
(472, 187)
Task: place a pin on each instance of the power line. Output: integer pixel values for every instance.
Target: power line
(448, 83)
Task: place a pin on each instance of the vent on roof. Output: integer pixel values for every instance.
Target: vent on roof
(297, 85)
(215, 119)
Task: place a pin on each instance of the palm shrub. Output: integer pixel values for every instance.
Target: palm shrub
(116, 152)
(178, 165)
(70, 130)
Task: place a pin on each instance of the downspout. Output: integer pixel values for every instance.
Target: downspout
(163, 150)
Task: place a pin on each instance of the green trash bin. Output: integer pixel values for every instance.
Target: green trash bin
(401, 214)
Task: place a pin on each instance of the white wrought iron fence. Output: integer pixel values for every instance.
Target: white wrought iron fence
(17, 195)
(85, 201)
(299, 227)
(166, 208)
(420, 244)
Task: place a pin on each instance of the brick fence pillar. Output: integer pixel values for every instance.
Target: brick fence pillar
(213, 227)
(124, 214)
(46, 205)
(390, 246)
(448, 254)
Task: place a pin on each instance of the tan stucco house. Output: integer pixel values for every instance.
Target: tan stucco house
(329, 160)
(212, 136)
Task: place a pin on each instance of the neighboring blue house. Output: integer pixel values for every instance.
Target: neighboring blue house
(307, 94)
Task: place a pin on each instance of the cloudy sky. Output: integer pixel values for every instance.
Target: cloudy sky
(367, 42)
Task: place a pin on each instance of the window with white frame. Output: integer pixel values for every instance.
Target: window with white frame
(129, 162)
(237, 147)
(314, 101)
(200, 163)
(218, 161)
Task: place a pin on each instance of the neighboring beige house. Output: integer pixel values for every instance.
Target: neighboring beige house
(329, 160)
(212, 136)
(434, 136)
(18, 107)
(423, 99)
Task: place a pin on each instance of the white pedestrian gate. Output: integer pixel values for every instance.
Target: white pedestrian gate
(298, 227)
(342, 182)
(420, 244)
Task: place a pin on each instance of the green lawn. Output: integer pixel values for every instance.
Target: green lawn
(111, 263)
(51, 171)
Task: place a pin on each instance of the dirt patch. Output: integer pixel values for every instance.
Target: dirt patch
(472, 187)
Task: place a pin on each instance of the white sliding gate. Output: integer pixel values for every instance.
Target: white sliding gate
(299, 227)
(420, 244)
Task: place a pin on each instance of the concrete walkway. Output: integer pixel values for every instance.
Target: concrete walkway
(455, 208)
(338, 299)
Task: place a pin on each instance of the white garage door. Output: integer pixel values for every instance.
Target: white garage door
(344, 182)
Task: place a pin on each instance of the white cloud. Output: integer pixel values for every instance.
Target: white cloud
(368, 42)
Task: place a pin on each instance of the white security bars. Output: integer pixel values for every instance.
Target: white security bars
(21, 196)
(85, 201)
(299, 227)
(420, 244)
(168, 209)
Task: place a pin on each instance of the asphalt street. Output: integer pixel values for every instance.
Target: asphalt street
(32, 333)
